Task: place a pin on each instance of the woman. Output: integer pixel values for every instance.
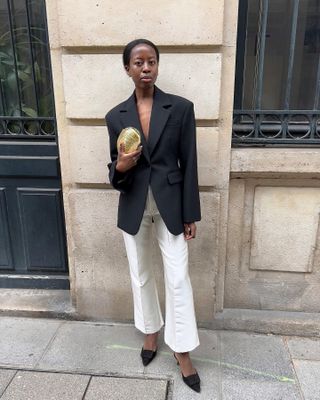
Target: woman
(159, 186)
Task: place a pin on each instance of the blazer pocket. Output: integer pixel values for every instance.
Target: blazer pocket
(173, 122)
(175, 177)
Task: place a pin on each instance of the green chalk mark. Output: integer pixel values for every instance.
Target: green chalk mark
(209, 361)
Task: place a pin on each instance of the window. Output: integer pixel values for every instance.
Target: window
(277, 84)
(26, 95)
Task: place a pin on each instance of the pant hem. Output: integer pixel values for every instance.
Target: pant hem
(186, 349)
(148, 331)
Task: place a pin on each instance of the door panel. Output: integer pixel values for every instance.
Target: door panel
(5, 243)
(42, 231)
(31, 211)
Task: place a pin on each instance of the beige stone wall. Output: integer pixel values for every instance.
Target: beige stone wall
(258, 241)
(197, 39)
(273, 259)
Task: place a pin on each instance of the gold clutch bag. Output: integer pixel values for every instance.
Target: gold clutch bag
(130, 137)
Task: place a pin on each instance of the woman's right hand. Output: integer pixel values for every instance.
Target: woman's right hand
(127, 161)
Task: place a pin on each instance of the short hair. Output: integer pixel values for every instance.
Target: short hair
(127, 50)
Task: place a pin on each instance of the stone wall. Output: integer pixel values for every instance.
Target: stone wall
(273, 260)
(258, 242)
(197, 45)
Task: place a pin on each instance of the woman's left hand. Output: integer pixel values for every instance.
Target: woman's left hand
(190, 231)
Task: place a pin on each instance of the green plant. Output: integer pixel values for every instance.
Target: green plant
(24, 74)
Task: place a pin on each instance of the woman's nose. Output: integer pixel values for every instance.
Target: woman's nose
(146, 67)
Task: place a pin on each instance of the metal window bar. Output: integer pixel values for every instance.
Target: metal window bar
(253, 127)
(261, 45)
(24, 127)
(11, 24)
(32, 55)
(317, 92)
(294, 23)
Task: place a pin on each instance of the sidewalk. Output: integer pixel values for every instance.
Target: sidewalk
(47, 359)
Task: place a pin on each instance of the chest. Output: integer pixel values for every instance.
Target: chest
(144, 113)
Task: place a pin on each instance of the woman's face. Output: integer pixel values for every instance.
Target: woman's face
(143, 67)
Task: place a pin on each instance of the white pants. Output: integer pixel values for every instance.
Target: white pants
(180, 333)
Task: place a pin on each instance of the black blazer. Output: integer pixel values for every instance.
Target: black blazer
(168, 163)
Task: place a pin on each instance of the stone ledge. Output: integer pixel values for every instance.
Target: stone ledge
(36, 303)
(269, 322)
(250, 161)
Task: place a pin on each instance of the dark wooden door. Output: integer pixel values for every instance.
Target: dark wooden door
(32, 227)
(32, 230)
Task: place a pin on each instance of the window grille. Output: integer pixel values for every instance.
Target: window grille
(26, 93)
(277, 85)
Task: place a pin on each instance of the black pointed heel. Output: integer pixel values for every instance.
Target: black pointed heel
(193, 381)
(147, 356)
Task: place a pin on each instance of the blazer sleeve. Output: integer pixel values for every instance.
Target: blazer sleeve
(120, 181)
(188, 165)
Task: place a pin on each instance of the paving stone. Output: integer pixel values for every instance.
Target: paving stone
(124, 388)
(5, 377)
(256, 366)
(28, 385)
(23, 340)
(95, 347)
(248, 388)
(304, 348)
(309, 377)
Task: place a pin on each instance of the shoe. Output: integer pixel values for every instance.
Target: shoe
(193, 381)
(147, 356)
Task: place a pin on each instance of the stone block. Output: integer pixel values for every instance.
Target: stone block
(31, 337)
(101, 272)
(273, 254)
(309, 377)
(208, 155)
(5, 377)
(95, 347)
(109, 23)
(255, 367)
(284, 230)
(271, 161)
(304, 348)
(126, 388)
(94, 83)
(89, 153)
(49, 386)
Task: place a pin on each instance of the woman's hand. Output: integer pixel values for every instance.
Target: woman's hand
(190, 231)
(127, 161)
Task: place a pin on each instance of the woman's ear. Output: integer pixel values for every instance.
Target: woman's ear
(126, 67)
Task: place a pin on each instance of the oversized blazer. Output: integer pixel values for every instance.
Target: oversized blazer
(168, 163)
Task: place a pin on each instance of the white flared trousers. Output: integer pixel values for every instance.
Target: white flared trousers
(180, 332)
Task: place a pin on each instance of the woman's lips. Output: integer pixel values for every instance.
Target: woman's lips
(146, 79)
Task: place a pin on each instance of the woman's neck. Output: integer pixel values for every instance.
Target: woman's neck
(144, 94)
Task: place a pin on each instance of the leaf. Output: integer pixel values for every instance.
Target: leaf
(16, 112)
(30, 112)
(45, 105)
(4, 55)
(7, 62)
(3, 74)
(23, 76)
(37, 71)
(12, 81)
(27, 69)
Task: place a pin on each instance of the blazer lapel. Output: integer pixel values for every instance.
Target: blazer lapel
(161, 109)
(129, 117)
